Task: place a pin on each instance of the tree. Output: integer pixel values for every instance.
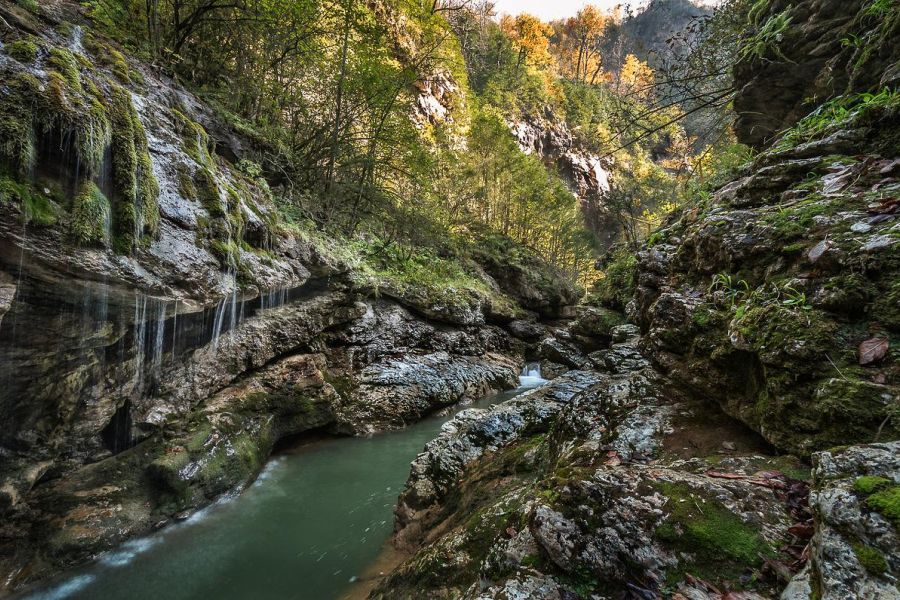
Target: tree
(530, 36)
(581, 47)
(636, 78)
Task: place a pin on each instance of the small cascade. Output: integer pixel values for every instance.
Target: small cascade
(218, 321)
(175, 329)
(273, 298)
(140, 341)
(531, 375)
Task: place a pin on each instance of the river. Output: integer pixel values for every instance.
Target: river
(310, 527)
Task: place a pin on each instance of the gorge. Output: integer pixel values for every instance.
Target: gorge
(387, 300)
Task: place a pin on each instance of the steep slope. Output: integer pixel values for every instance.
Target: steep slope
(778, 297)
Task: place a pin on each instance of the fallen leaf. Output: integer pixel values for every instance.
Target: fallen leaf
(872, 350)
(801, 530)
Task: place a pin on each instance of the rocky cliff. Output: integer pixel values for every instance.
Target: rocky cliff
(585, 174)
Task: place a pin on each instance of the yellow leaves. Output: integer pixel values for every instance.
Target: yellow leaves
(530, 36)
(636, 77)
(578, 51)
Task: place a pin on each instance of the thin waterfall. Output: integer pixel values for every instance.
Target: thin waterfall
(75, 44)
(140, 341)
(158, 338)
(217, 322)
(175, 328)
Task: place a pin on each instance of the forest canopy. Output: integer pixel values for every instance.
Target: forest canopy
(391, 121)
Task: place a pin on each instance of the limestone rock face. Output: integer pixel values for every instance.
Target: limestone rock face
(856, 548)
(146, 371)
(586, 175)
(767, 299)
(809, 60)
(581, 488)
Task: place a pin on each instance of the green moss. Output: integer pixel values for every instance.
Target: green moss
(227, 251)
(64, 62)
(721, 544)
(90, 216)
(886, 309)
(887, 502)
(617, 286)
(798, 218)
(851, 410)
(17, 132)
(701, 317)
(37, 208)
(186, 186)
(137, 190)
(871, 559)
(344, 385)
(30, 5)
(868, 484)
(208, 193)
(25, 51)
(108, 56)
(771, 328)
(195, 140)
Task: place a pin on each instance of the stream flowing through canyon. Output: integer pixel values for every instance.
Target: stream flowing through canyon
(309, 528)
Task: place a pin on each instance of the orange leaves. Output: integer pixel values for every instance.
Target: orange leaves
(530, 36)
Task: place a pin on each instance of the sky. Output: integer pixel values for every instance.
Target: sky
(552, 9)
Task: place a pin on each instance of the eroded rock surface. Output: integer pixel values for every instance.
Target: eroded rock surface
(572, 490)
(855, 552)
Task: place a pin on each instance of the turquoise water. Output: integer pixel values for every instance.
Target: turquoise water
(307, 529)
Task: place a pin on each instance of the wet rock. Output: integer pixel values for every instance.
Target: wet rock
(474, 432)
(527, 330)
(396, 392)
(527, 587)
(552, 370)
(562, 352)
(599, 323)
(576, 504)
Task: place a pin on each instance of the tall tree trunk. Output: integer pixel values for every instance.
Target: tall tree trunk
(339, 99)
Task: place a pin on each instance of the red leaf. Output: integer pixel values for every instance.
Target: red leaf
(872, 350)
